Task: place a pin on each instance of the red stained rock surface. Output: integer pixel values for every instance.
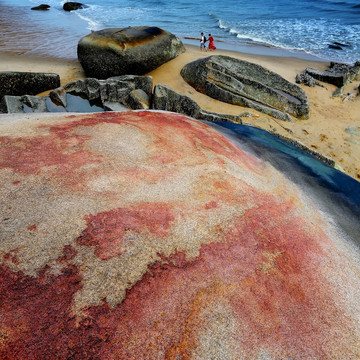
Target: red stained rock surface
(215, 259)
(105, 231)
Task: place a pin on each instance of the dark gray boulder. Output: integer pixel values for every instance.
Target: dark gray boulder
(11, 104)
(71, 5)
(306, 79)
(132, 50)
(137, 99)
(243, 83)
(334, 77)
(144, 83)
(335, 47)
(129, 92)
(165, 98)
(115, 89)
(337, 74)
(41, 7)
(27, 83)
(23, 104)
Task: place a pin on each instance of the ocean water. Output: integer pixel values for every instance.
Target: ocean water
(281, 27)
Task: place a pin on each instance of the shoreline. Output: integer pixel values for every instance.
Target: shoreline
(326, 132)
(55, 42)
(257, 49)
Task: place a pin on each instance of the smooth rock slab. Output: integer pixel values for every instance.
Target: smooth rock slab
(132, 50)
(149, 235)
(243, 83)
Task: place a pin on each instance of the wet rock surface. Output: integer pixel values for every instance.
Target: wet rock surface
(131, 50)
(243, 83)
(41, 7)
(71, 5)
(149, 235)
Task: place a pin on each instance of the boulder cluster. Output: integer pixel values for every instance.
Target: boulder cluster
(67, 6)
(336, 74)
(120, 93)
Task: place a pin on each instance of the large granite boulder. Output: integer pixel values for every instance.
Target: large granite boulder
(132, 50)
(27, 83)
(243, 83)
(149, 235)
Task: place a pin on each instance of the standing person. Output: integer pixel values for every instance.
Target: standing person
(202, 42)
(211, 43)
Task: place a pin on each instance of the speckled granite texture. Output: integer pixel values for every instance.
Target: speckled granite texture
(148, 235)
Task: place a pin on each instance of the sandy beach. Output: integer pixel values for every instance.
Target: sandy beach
(333, 129)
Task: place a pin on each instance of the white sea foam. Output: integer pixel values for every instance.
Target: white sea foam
(87, 15)
(221, 25)
(299, 26)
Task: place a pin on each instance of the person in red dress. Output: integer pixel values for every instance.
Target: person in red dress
(211, 43)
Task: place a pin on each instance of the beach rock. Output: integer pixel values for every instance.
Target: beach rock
(334, 77)
(306, 79)
(114, 106)
(243, 83)
(218, 117)
(150, 235)
(27, 83)
(23, 104)
(70, 6)
(353, 70)
(115, 89)
(341, 44)
(144, 83)
(11, 104)
(41, 7)
(129, 91)
(165, 98)
(337, 74)
(132, 50)
(136, 100)
(335, 47)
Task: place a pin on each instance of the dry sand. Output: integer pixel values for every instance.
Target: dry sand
(333, 129)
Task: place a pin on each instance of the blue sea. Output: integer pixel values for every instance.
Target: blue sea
(296, 28)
